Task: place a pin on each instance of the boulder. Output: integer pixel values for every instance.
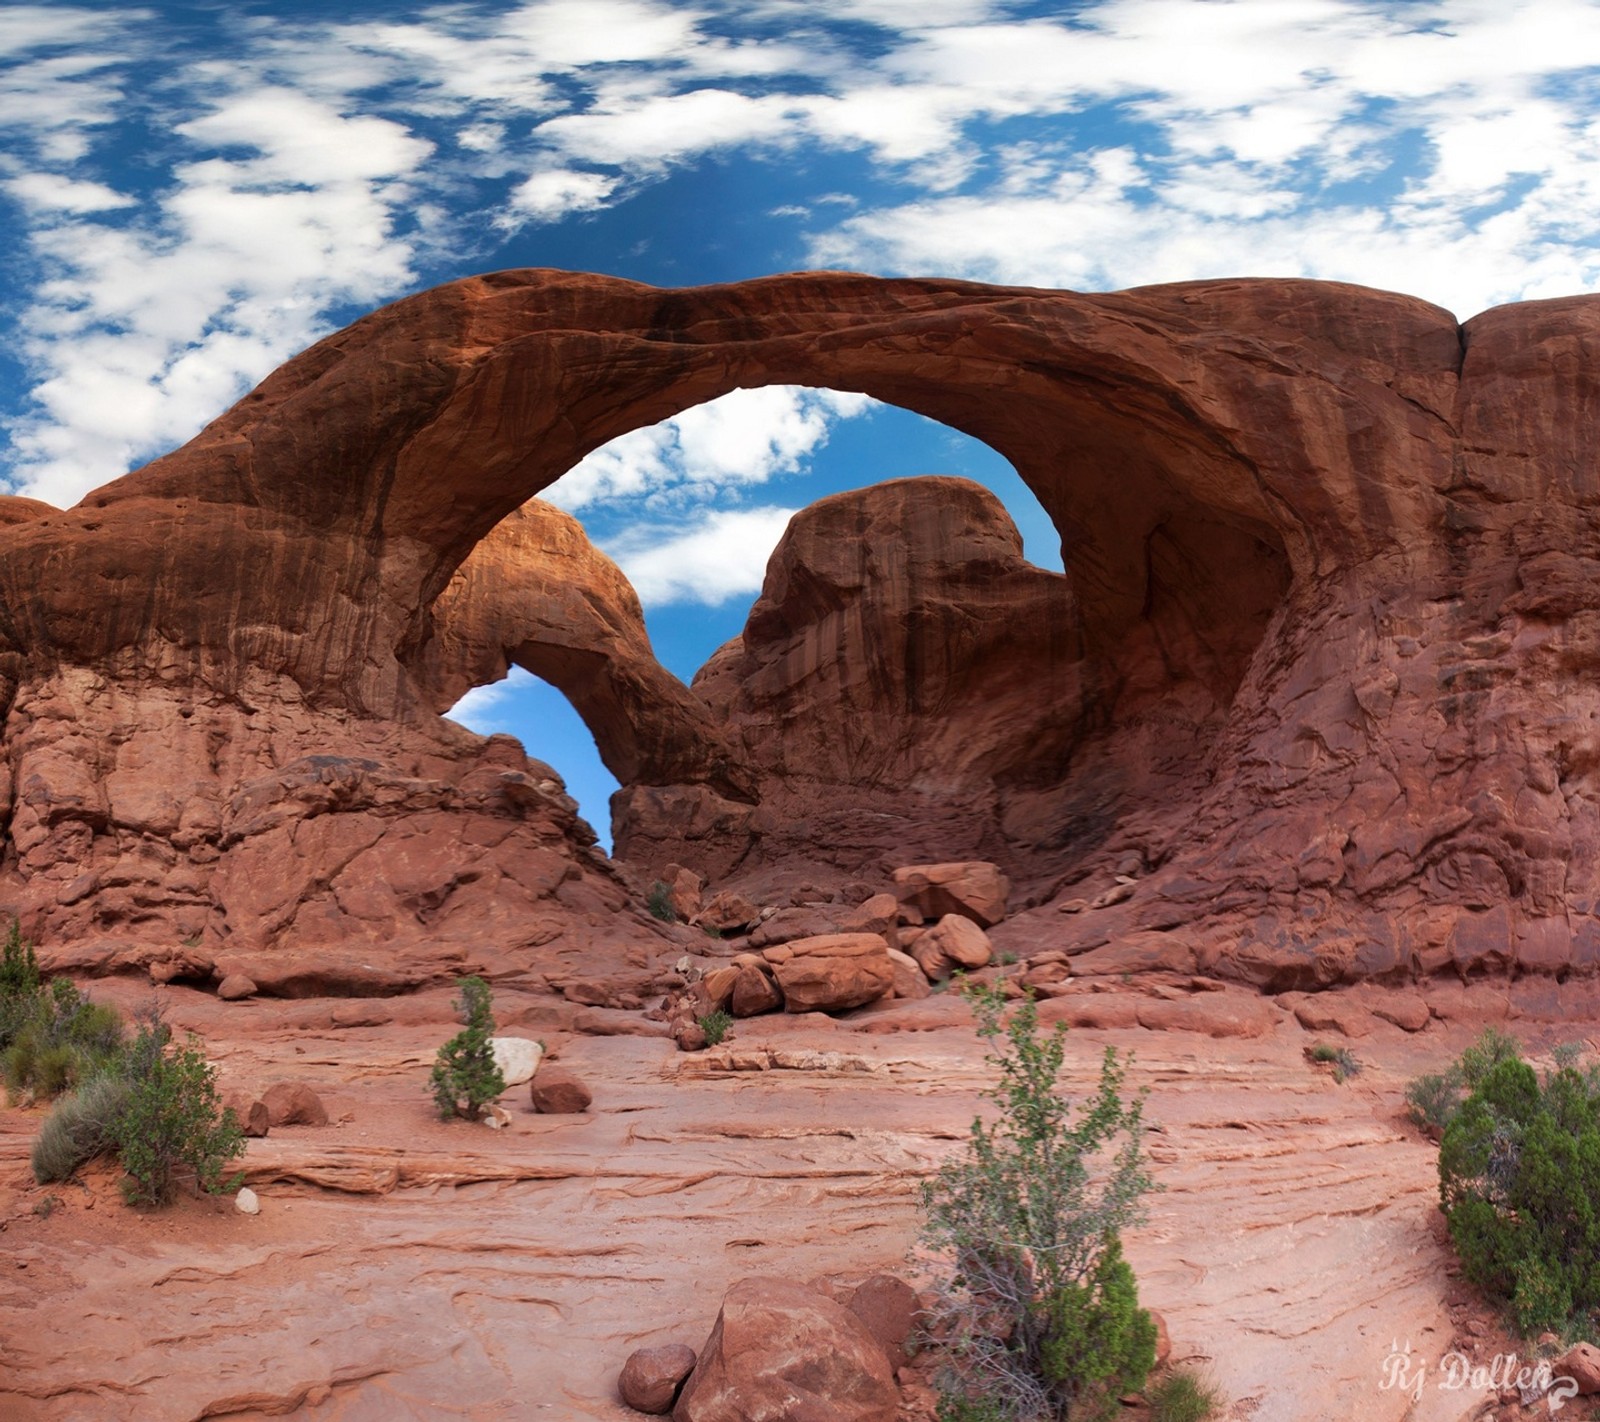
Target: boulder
(652, 1377)
(715, 989)
(909, 979)
(1581, 1363)
(754, 992)
(1406, 1010)
(889, 1307)
(787, 924)
(517, 1058)
(929, 958)
(235, 987)
(780, 1352)
(959, 941)
(684, 889)
(557, 1092)
(246, 1201)
(974, 889)
(293, 1103)
(727, 912)
(834, 972)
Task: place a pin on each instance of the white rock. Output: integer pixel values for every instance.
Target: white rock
(246, 1202)
(517, 1058)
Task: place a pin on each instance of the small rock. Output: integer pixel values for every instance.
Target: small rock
(517, 1058)
(1581, 1363)
(246, 1202)
(555, 1092)
(690, 1037)
(293, 1104)
(235, 987)
(652, 1377)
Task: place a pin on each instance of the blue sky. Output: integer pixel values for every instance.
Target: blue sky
(194, 192)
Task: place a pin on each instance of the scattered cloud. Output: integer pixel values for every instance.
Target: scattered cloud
(746, 437)
(492, 708)
(309, 168)
(721, 556)
(559, 192)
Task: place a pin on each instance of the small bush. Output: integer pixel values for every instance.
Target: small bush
(660, 903)
(64, 1040)
(172, 1122)
(715, 1025)
(1040, 1315)
(1182, 1396)
(20, 985)
(81, 1127)
(1519, 1183)
(1433, 1099)
(465, 1078)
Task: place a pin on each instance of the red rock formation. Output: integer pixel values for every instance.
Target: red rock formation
(1324, 686)
(538, 595)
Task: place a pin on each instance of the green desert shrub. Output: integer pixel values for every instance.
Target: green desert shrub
(20, 984)
(1519, 1183)
(465, 1078)
(1182, 1396)
(715, 1025)
(80, 1127)
(1433, 1099)
(659, 902)
(1342, 1059)
(64, 1040)
(172, 1123)
(1039, 1314)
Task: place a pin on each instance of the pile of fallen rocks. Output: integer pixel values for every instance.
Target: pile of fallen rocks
(828, 957)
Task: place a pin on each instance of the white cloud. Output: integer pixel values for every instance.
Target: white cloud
(312, 164)
(552, 195)
(745, 437)
(50, 192)
(144, 333)
(485, 709)
(723, 556)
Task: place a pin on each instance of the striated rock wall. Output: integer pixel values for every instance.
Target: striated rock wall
(1321, 669)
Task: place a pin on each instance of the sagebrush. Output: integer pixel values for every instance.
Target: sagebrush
(1039, 1314)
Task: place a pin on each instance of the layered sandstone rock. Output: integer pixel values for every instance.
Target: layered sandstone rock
(1319, 674)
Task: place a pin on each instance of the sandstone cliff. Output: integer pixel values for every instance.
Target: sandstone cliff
(1323, 656)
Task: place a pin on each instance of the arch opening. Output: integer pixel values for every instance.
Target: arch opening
(987, 707)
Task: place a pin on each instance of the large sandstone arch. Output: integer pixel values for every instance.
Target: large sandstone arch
(1375, 522)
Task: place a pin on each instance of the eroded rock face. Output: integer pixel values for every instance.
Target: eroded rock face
(538, 595)
(1320, 673)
